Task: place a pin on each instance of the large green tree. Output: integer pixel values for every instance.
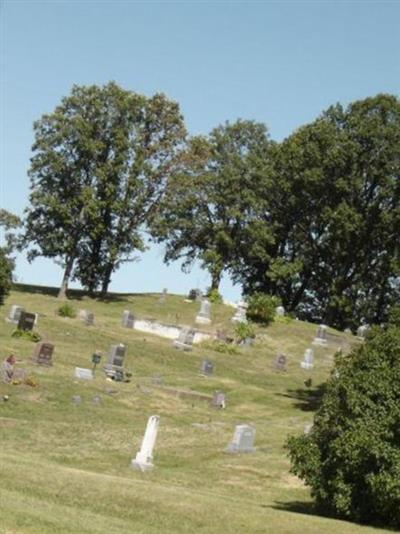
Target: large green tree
(212, 196)
(100, 163)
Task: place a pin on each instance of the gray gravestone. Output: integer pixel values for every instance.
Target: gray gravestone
(128, 319)
(114, 368)
(86, 317)
(194, 294)
(243, 439)
(207, 368)
(83, 374)
(321, 335)
(280, 311)
(185, 339)
(163, 295)
(26, 321)
(280, 362)
(219, 399)
(43, 354)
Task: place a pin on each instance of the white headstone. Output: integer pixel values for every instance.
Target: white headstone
(185, 339)
(15, 314)
(240, 314)
(203, 317)
(362, 330)
(243, 439)
(82, 373)
(144, 458)
(308, 361)
(280, 311)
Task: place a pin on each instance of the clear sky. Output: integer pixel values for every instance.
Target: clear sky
(280, 63)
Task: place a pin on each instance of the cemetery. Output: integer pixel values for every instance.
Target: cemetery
(221, 424)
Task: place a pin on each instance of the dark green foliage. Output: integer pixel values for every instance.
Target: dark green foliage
(35, 337)
(66, 310)
(6, 269)
(325, 226)
(394, 316)
(351, 457)
(261, 308)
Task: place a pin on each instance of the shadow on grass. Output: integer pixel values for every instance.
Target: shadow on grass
(76, 294)
(298, 507)
(307, 399)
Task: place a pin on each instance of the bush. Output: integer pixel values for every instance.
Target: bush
(261, 308)
(244, 330)
(66, 310)
(351, 457)
(213, 296)
(27, 334)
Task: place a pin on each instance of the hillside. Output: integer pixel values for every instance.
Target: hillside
(64, 467)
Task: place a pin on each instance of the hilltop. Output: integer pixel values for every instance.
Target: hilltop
(65, 467)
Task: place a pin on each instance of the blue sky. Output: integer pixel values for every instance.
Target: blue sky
(280, 63)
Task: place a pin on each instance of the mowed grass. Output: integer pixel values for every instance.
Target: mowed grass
(65, 467)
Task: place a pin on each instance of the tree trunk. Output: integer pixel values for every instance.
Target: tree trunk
(215, 280)
(62, 294)
(107, 279)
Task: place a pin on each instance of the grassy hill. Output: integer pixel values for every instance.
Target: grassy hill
(64, 468)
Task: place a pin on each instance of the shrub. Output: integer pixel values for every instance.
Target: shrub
(213, 296)
(351, 457)
(261, 308)
(244, 330)
(67, 310)
(27, 334)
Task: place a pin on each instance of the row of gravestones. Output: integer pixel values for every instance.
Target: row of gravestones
(242, 442)
(26, 320)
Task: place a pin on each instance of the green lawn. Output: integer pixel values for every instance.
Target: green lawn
(65, 467)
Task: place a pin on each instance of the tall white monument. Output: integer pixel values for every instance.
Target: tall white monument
(308, 360)
(203, 317)
(144, 458)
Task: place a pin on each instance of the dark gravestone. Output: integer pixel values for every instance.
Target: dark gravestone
(43, 354)
(207, 368)
(26, 321)
(192, 294)
(280, 362)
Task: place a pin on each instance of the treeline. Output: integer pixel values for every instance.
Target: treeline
(313, 220)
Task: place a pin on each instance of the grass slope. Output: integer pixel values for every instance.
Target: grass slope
(65, 468)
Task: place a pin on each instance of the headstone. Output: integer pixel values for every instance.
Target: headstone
(144, 458)
(243, 439)
(76, 399)
(83, 374)
(26, 321)
(247, 341)
(240, 314)
(280, 311)
(203, 317)
(96, 399)
(347, 331)
(185, 339)
(43, 353)
(362, 331)
(321, 337)
(128, 319)
(15, 313)
(194, 294)
(207, 368)
(219, 399)
(86, 317)
(280, 362)
(307, 428)
(114, 366)
(308, 360)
